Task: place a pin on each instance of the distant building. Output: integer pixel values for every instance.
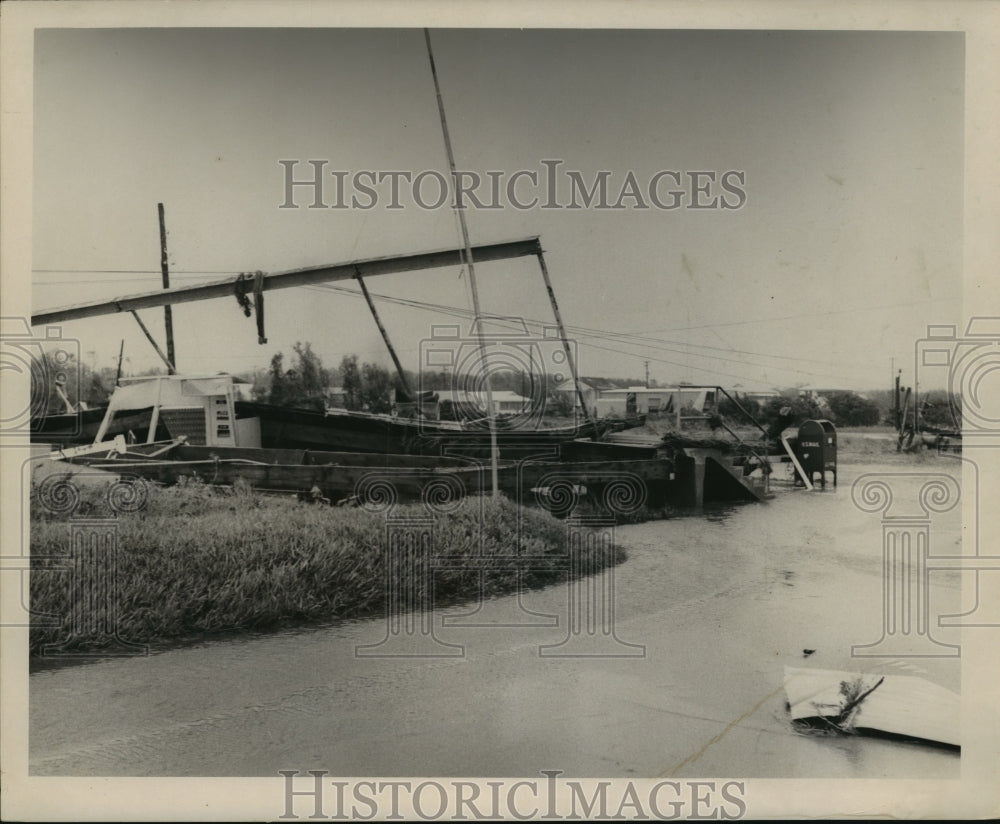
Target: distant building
(819, 396)
(642, 400)
(336, 397)
(589, 388)
(761, 396)
(825, 393)
(510, 402)
(474, 404)
(242, 389)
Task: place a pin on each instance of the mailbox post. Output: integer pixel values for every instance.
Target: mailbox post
(817, 450)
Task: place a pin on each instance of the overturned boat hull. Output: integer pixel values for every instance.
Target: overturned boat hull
(554, 484)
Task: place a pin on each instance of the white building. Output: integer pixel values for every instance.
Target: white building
(642, 400)
(505, 402)
(758, 395)
(590, 390)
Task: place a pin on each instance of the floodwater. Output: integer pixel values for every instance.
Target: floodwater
(707, 611)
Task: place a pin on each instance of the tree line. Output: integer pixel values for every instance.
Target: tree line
(304, 381)
(845, 408)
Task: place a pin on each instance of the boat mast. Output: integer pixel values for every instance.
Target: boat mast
(472, 271)
(385, 336)
(562, 334)
(152, 340)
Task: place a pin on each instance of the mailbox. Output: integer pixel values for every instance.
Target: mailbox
(817, 450)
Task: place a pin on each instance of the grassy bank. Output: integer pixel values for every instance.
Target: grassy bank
(877, 444)
(195, 561)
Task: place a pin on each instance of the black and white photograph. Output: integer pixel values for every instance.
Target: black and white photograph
(483, 412)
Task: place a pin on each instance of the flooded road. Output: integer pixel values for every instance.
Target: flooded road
(717, 603)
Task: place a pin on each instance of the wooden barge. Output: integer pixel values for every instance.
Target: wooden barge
(198, 429)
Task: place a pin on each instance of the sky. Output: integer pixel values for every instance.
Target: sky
(846, 244)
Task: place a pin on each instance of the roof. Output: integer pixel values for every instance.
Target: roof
(567, 385)
(499, 396)
(587, 383)
(656, 390)
(752, 391)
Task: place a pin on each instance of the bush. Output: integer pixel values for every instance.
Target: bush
(729, 411)
(801, 409)
(196, 560)
(850, 409)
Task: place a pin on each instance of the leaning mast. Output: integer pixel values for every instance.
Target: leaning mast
(471, 267)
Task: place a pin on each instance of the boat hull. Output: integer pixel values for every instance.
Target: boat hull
(82, 427)
(362, 432)
(380, 477)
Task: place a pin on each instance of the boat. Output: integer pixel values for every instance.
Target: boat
(343, 430)
(196, 422)
(209, 434)
(82, 427)
(198, 428)
(333, 429)
(319, 475)
(894, 705)
(367, 477)
(210, 410)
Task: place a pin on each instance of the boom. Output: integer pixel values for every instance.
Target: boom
(294, 277)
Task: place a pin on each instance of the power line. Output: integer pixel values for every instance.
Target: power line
(603, 335)
(804, 315)
(609, 336)
(639, 339)
(91, 281)
(131, 272)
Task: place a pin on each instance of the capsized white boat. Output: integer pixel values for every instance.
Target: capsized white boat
(905, 705)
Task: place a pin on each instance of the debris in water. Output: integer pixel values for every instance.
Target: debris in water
(850, 703)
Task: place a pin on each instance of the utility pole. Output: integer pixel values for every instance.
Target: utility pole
(168, 318)
(647, 374)
(896, 419)
(121, 355)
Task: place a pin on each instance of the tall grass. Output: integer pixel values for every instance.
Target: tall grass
(196, 560)
(854, 448)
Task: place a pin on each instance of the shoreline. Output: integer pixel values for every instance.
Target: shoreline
(856, 446)
(719, 603)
